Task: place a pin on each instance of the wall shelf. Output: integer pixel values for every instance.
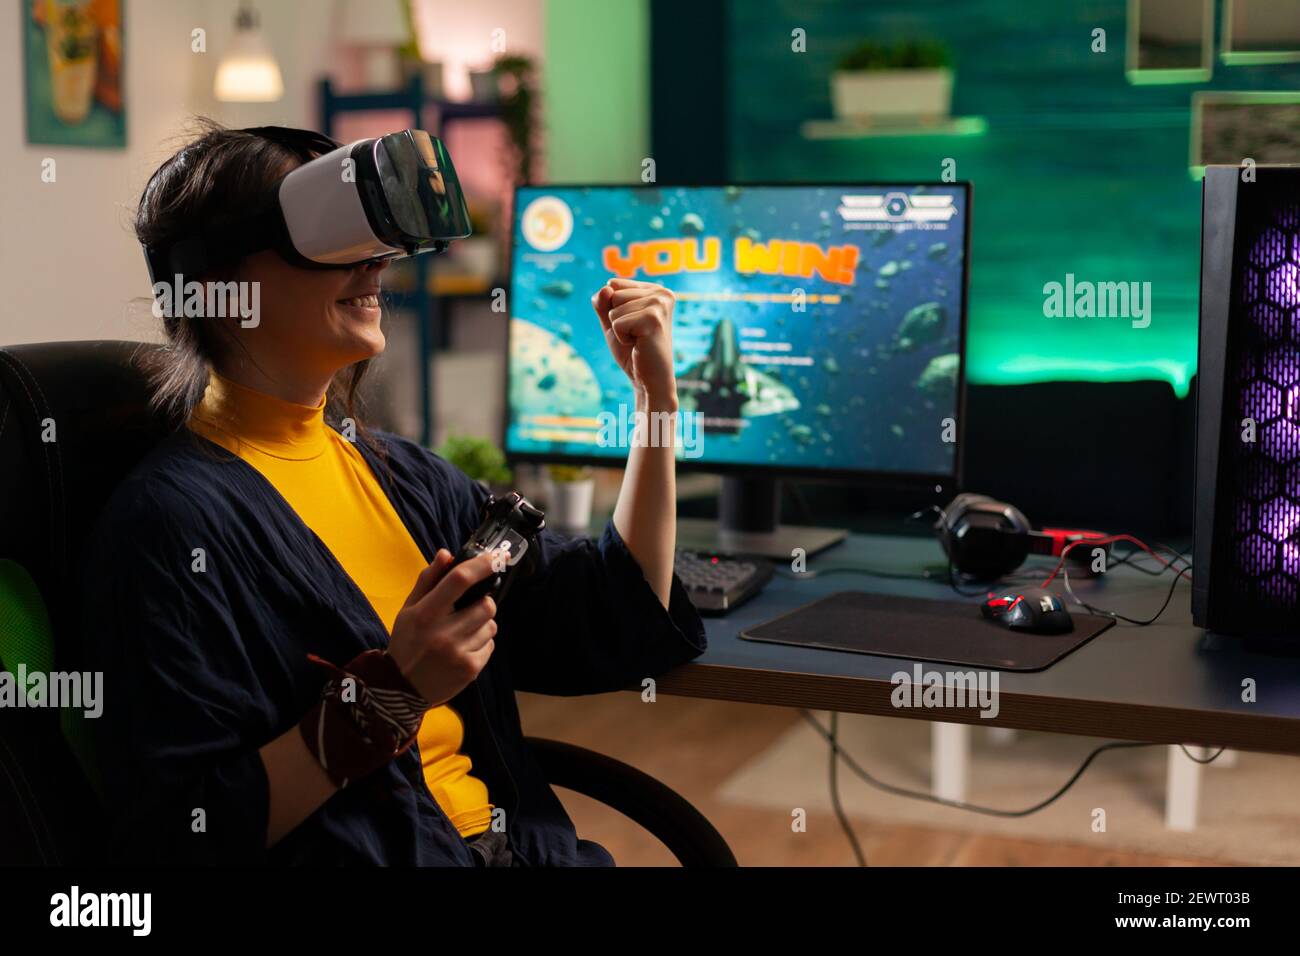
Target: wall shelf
(864, 129)
(430, 309)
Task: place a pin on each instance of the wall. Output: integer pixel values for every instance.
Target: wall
(299, 32)
(1079, 171)
(68, 263)
(459, 35)
(74, 271)
(598, 90)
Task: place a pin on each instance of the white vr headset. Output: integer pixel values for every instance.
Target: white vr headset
(374, 199)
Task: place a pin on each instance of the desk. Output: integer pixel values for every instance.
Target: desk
(1166, 683)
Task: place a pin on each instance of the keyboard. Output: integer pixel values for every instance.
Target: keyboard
(717, 582)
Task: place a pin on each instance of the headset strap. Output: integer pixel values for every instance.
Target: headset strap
(303, 142)
(197, 255)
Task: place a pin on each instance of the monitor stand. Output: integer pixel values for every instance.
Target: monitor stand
(749, 522)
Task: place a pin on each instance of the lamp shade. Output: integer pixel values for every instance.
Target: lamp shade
(248, 72)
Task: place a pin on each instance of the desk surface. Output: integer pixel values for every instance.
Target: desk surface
(1169, 682)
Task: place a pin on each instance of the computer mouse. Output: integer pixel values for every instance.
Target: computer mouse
(1036, 610)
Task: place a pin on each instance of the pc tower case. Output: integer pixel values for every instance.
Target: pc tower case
(1247, 525)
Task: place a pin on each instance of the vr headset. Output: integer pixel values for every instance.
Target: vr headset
(374, 199)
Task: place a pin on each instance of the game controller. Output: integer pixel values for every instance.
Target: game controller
(509, 530)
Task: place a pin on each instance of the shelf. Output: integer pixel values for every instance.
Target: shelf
(446, 284)
(453, 109)
(452, 285)
(409, 97)
(427, 295)
(872, 129)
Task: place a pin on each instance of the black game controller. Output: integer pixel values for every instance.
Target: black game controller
(510, 528)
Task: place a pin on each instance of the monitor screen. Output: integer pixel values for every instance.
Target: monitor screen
(818, 329)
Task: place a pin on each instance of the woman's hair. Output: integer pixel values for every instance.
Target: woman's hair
(221, 177)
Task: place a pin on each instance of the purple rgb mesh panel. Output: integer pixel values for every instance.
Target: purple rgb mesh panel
(1260, 553)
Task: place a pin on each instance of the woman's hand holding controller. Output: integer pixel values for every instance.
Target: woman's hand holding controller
(440, 650)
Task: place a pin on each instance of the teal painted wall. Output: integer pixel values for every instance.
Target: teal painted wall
(597, 90)
(1079, 171)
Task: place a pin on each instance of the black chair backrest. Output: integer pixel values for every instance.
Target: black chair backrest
(74, 420)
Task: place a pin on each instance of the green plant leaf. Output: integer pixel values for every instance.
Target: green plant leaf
(478, 457)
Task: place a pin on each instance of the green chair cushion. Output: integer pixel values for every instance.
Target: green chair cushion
(27, 640)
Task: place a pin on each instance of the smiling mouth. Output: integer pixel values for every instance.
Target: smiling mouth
(363, 301)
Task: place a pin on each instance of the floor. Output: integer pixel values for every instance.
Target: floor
(693, 746)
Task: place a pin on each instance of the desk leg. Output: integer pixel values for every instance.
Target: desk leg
(1182, 788)
(949, 760)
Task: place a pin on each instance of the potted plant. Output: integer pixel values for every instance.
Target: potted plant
(483, 85)
(376, 30)
(479, 458)
(478, 255)
(71, 47)
(570, 490)
(517, 88)
(909, 80)
(413, 62)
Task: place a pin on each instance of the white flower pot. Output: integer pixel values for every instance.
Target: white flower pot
(476, 256)
(483, 86)
(892, 94)
(381, 66)
(569, 505)
(430, 73)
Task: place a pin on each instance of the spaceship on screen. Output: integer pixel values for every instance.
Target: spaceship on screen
(724, 387)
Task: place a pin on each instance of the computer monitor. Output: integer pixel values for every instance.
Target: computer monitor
(819, 331)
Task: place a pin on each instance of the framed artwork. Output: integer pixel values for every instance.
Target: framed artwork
(73, 72)
(1260, 31)
(1169, 41)
(1228, 127)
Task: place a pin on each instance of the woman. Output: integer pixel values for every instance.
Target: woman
(272, 603)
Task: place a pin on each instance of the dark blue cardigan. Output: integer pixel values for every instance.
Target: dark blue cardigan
(203, 667)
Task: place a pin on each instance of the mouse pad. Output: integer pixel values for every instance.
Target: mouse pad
(946, 632)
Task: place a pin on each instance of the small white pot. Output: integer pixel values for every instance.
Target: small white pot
(381, 67)
(483, 86)
(476, 255)
(430, 73)
(569, 502)
(892, 94)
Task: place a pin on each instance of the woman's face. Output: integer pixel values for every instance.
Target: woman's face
(311, 322)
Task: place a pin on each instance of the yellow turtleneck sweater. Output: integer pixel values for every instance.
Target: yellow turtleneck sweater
(331, 488)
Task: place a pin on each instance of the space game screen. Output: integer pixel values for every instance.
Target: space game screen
(815, 327)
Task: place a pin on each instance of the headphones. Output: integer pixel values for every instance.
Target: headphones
(986, 539)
